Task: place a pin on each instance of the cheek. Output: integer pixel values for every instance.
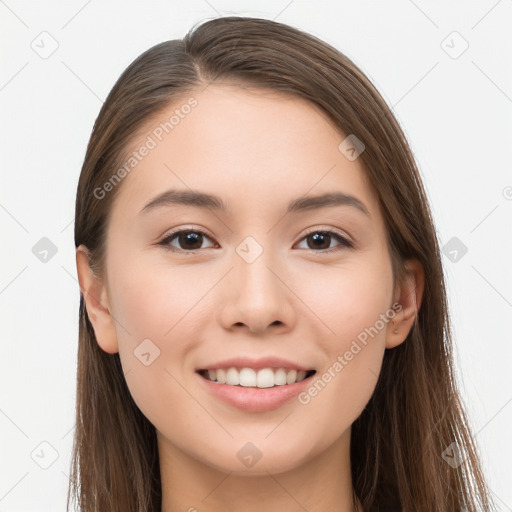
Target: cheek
(151, 352)
(352, 304)
(152, 300)
(350, 298)
(159, 309)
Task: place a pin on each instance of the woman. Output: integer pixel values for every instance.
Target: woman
(263, 317)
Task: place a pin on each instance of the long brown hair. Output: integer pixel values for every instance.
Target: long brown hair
(415, 413)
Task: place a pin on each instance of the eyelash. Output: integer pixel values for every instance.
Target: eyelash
(344, 242)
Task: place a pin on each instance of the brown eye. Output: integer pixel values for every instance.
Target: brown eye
(320, 241)
(187, 240)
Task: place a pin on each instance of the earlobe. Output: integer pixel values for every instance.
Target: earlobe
(409, 295)
(96, 302)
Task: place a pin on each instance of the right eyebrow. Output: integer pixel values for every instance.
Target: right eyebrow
(186, 198)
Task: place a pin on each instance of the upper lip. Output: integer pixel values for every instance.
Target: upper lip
(255, 363)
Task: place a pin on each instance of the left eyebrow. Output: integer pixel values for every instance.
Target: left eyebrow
(212, 202)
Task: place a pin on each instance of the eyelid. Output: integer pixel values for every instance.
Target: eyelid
(195, 229)
(330, 229)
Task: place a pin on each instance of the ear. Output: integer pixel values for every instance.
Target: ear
(409, 295)
(96, 302)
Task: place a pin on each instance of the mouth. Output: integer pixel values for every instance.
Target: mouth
(253, 378)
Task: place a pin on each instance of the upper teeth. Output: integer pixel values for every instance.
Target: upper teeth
(264, 378)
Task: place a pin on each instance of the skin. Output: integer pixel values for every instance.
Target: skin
(257, 150)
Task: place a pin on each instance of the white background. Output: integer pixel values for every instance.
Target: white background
(456, 112)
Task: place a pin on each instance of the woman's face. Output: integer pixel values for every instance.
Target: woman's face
(255, 280)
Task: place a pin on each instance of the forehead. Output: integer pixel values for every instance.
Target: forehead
(251, 147)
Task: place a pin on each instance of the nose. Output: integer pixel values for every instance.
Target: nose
(257, 296)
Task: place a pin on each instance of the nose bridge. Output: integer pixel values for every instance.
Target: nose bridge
(256, 295)
(253, 274)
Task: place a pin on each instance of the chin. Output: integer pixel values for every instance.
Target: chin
(258, 458)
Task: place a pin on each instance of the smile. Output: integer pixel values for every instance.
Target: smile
(249, 377)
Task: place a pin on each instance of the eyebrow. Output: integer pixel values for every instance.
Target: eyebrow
(209, 201)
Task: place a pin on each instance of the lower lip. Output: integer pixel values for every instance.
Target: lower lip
(253, 399)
